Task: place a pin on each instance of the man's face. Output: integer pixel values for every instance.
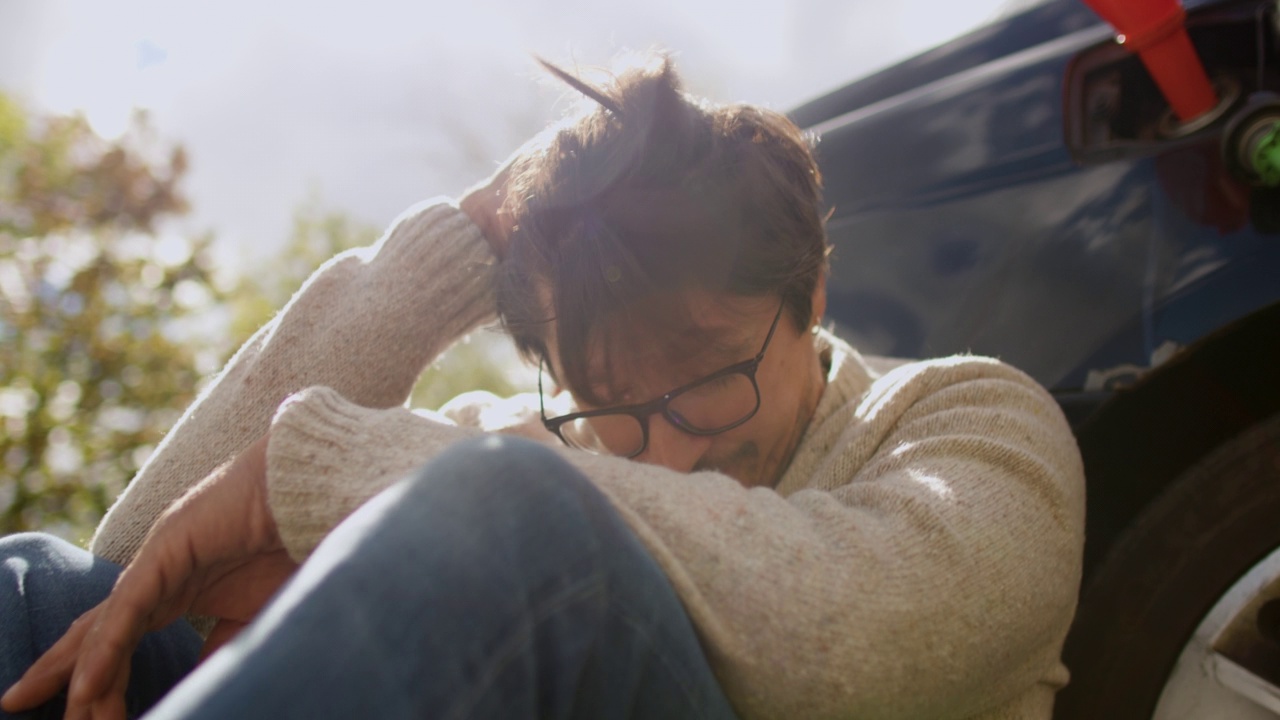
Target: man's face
(698, 333)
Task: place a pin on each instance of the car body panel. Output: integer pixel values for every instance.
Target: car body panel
(962, 222)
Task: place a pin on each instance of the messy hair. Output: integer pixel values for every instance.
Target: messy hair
(648, 191)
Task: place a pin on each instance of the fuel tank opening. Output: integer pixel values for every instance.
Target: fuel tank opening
(1251, 142)
(1155, 30)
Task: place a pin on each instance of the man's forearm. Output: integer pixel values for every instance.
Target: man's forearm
(961, 478)
(365, 324)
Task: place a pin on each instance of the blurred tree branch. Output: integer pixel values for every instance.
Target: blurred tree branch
(100, 311)
(110, 322)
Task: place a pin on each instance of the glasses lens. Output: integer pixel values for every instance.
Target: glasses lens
(716, 404)
(605, 434)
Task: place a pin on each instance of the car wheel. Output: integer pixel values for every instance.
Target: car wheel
(1182, 620)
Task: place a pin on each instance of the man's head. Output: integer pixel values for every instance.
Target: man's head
(656, 238)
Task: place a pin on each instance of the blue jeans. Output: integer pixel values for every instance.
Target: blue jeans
(45, 584)
(496, 583)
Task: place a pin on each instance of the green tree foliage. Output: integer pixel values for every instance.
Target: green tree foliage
(317, 235)
(109, 322)
(103, 314)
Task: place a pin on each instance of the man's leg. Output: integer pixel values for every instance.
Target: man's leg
(45, 584)
(497, 583)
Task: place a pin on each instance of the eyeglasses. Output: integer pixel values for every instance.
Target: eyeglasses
(716, 403)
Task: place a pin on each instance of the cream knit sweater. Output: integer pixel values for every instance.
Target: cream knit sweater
(919, 558)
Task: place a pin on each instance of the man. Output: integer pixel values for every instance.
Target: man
(735, 516)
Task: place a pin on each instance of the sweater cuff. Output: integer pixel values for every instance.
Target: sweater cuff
(326, 457)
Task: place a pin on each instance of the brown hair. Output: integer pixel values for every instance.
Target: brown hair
(648, 191)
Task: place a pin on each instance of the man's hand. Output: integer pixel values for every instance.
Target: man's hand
(215, 552)
(485, 204)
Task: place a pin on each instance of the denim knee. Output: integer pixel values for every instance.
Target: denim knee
(43, 558)
(46, 583)
(496, 582)
(495, 454)
(33, 545)
(24, 542)
(514, 483)
(492, 512)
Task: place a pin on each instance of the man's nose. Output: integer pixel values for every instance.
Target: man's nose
(671, 447)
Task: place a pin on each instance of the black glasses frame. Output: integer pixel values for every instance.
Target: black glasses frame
(643, 411)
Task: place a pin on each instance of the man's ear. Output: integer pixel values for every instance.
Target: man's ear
(819, 303)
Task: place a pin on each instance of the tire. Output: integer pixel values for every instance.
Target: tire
(1208, 528)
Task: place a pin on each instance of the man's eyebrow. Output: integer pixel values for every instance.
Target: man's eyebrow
(702, 351)
(708, 348)
(610, 391)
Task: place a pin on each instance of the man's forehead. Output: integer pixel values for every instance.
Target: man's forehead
(661, 342)
(679, 346)
(702, 338)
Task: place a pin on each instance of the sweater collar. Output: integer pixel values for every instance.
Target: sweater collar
(848, 379)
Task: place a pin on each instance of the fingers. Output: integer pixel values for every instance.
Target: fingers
(139, 602)
(98, 671)
(192, 542)
(51, 671)
(486, 205)
(110, 706)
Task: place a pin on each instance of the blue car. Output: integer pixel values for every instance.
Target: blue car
(1026, 192)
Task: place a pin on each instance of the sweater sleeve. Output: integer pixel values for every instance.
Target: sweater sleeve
(929, 568)
(366, 324)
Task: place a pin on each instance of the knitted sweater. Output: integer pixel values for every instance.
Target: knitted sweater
(919, 558)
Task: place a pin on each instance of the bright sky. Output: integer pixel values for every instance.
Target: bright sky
(370, 106)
